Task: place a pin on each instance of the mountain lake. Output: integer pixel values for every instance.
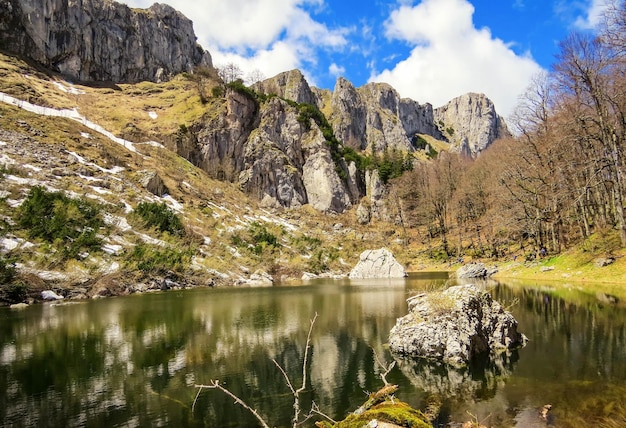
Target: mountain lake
(134, 361)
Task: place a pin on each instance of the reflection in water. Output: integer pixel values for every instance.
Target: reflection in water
(134, 361)
(479, 381)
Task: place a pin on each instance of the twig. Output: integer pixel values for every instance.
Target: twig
(316, 410)
(296, 392)
(387, 368)
(215, 384)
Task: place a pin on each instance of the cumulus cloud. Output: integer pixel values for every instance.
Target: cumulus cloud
(336, 70)
(450, 56)
(592, 16)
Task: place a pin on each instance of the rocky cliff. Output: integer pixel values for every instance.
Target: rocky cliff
(471, 123)
(101, 40)
(282, 141)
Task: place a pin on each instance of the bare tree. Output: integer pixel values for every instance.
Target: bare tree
(230, 72)
(254, 76)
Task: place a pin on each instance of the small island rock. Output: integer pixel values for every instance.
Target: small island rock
(377, 264)
(454, 325)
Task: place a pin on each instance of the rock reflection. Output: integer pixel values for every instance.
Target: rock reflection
(478, 381)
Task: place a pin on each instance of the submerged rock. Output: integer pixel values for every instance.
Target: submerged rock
(455, 325)
(377, 264)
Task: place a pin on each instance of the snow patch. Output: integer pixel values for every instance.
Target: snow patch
(70, 89)
(81, 160)
(153, 115)
(101, 190)
(6, 160)
(112, 249)
(85, 134)
(9, 244)
(173, 203)
(3, 143)
(120, 222)
(66, 113)
(154, 144)
(34, 168)
(150, 240)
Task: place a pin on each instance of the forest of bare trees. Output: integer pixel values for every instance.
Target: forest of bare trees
(558, 180)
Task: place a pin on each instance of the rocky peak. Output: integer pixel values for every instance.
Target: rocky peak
(290, 85)
(101, 40)
(349, 115)
(470, 122)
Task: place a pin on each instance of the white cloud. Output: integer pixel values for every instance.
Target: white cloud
(451, 57)
(269, 35)
(336, 70)
(592, 16)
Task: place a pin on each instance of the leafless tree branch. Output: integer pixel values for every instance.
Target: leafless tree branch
(215, 384)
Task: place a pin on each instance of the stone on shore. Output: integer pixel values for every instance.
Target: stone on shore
(50, 295)
(475, 270)
(377, 264)
(454, 325)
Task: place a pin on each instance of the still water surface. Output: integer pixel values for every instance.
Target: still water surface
(133, 361)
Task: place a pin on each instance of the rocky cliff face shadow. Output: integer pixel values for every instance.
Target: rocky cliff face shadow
(478, 381)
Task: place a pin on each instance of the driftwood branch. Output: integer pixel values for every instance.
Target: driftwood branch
(215, 384)
(315, 410)
(296, 392)
(386, 392)
(386, 367)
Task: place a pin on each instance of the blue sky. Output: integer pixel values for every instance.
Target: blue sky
(429, 50)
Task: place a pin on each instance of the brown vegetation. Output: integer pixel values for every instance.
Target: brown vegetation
(551, 186)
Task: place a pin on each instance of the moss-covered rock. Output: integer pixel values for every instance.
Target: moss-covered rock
(386, 410)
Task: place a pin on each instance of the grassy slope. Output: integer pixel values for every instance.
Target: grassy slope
(212, 209)
(124, 110)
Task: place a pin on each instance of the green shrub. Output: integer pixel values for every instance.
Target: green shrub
(70, 224)
(321, 260)
(393, 164)
(238, 86)
(154, 259)
(261, 238)
(305, 243)
(161, 217)
(256, 239)
(15, 292)
(7, 270)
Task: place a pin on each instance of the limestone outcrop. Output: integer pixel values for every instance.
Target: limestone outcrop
(101, 40)
(455, 325)
(375, 117)
(377, 264)
(290, 85)
(470, 123)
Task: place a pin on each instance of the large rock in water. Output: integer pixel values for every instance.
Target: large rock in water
(455, 325)
(98, 40)
(377, 264)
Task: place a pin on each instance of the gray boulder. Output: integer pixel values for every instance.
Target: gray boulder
(50, 295)
(475, 270)
(455, 325)
(377, 264)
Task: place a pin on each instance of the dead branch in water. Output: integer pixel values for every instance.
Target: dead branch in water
(215, 384)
